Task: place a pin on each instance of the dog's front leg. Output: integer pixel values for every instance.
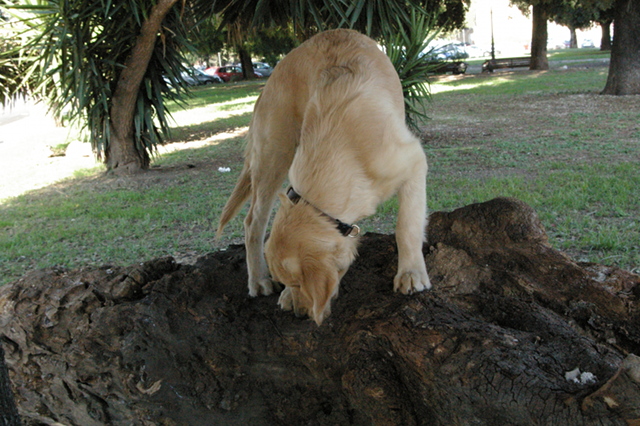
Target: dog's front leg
(410, 233)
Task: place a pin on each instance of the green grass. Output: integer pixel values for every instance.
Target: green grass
(219, 95)
(573, 54)
(550, 140)
(546, 138)
(106, 220)
(214, 110)
(560, 55)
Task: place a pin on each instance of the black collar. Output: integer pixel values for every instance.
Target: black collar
(344, 228)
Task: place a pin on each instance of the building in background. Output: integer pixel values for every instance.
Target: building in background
(512, 30)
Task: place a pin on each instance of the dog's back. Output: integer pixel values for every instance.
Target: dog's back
(279, 113)
(306, 69)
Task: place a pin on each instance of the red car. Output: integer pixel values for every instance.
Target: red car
(228, 73)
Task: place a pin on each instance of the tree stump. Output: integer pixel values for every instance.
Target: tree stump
(8, 411)
(513, 332)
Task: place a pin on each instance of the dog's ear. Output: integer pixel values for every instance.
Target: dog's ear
(320, 283)
(324, 296)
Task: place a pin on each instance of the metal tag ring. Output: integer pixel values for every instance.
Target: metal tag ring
(355, 231)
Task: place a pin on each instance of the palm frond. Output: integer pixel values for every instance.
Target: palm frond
(408, 47)
(76, 51)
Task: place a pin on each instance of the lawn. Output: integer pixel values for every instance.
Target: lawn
(547, 138)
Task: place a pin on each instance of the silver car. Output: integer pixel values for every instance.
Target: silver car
(262, 68)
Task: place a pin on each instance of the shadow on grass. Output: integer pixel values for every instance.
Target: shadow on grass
(522, 82)
(217, 94)
(207, 129)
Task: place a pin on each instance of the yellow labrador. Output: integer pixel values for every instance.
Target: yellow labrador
(332, 116)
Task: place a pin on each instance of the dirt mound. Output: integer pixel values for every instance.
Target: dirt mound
(514, 332)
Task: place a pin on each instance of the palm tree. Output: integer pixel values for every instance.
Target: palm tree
(104, 62)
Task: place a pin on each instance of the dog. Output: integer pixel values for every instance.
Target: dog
(331, 116)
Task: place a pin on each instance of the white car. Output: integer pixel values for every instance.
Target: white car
(587, 43)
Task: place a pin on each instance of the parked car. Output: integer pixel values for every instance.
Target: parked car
(451, 51)
(439, 65)
(262, 68)
(587, 43)
(444, 67)
(228, 72)
(195, 77)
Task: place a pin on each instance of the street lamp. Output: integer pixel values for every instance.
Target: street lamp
(493, 48)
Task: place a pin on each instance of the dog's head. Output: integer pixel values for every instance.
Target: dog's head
(308, 254)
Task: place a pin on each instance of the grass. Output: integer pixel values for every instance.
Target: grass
(550, 140)
(577, 54)
(214, 110)
(546, 138)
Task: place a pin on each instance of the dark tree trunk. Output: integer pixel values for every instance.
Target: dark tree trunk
(573, 39)
(539, 59)
(624, 68)
(247, 65)
(123, 155)
(605, 42)
(513, 332)
(8, 411)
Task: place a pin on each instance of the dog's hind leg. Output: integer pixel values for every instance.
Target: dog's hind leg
(267, 176)
(410, 232)
(255, 226)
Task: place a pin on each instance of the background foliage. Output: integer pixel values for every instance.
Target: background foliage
(72, 51)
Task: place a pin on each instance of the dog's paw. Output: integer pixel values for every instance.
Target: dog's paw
(288, 302)
(286, 299)
(411, 281)
(263, 287)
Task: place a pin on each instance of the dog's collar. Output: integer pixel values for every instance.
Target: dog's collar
(344, 228)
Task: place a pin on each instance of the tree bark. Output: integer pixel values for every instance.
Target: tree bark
(513, 332)
(624, 67)
(605, 41)
(573, 41)
(539, 60)
(8, 411)
(247, 65)
(123, 155)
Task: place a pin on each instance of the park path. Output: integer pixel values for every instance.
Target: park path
(26, 133)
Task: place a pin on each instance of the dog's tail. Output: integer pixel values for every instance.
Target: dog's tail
(237, 200)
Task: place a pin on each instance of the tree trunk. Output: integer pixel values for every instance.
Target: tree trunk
(123, 154)
(247, 65)
(624, 68)
(605, 42)
(573, 40)
(8, 411)
(539, 59)
(513, 333)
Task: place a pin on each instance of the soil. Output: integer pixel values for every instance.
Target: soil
(513, 332)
